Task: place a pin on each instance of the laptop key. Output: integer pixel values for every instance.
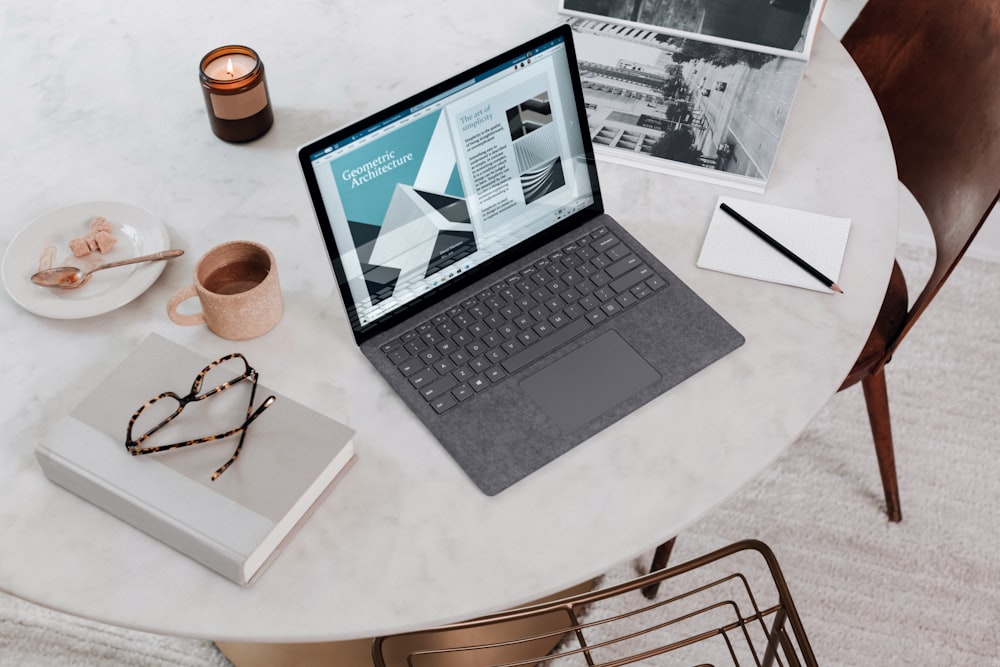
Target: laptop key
(527, 337)
(444, 402)
(442, 385)
(604, 243)
(495, 320)
(539, 312)
(430, 355)
(626, 299)
(462, 392)
(570, 295)
(623, 266)
(603, 293)
(410, 366)
(431, 337)
(600, 278)
(633, 277)
(415, 345)
(479, 364)
(618, 252)
(443, 366)
(641, 291)
(446, 347)
(512, 345)
(426, 376)
(611, 308)
(460, 357)
(543, 329)
(492, 339)
(399, 355)
(508, 330)
(523, 321)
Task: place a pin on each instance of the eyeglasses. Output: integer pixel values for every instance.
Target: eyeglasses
(214, 371)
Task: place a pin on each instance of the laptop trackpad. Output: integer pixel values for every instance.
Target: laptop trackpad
(589, 381)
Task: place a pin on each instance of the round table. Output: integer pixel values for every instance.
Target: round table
(102, 102)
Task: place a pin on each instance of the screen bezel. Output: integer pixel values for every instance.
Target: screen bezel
(365, 332)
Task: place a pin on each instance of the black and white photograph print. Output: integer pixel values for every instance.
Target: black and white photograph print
(780, 24)
(655, 97)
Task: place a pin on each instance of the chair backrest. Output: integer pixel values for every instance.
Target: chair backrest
(934, 68)
(731, 607)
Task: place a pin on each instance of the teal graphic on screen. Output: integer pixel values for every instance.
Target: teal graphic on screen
(405, 204)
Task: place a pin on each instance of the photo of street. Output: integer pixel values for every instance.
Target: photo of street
(781, 24)
(658, 97)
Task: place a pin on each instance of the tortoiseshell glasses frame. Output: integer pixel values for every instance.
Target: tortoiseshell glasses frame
(249, 373)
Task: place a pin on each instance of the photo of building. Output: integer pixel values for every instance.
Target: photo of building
(662, 97)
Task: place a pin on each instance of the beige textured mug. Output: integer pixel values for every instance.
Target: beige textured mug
(237, 285)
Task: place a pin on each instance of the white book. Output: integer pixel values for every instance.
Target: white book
(234, 524)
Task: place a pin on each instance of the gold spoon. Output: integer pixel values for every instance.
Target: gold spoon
(70, 277)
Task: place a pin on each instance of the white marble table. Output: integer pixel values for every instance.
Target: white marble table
(102, 102)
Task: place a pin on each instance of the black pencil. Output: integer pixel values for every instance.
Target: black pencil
(780, 248)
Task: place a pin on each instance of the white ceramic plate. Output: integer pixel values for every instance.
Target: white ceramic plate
(138, 231)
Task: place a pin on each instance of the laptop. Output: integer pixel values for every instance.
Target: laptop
(482, 277)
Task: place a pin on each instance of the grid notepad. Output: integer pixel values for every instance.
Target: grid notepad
(818, 239)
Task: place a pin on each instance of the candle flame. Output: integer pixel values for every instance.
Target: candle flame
(229, 67)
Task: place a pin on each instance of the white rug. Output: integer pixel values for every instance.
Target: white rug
(923, 592)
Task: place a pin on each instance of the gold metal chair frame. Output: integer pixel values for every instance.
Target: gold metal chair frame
(712, 611)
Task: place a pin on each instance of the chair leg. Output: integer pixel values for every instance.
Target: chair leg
(877, 400)
(660, 558)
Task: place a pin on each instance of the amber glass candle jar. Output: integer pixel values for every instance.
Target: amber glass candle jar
(235, 89)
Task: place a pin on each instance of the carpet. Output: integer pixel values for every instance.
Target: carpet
(922, 592)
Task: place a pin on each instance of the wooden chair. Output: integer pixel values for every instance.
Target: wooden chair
(731, 606)
(934, 68)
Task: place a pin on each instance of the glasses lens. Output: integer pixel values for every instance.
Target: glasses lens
(154, 414)
(220, 376)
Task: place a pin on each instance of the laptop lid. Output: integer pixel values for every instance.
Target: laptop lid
(426, 196)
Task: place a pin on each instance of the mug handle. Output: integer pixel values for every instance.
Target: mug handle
(180, 318)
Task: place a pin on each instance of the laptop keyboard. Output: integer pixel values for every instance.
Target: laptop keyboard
(475, 345)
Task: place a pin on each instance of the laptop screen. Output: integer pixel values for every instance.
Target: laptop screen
(424, 197)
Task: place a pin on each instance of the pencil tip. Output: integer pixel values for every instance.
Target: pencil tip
(836, 288)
